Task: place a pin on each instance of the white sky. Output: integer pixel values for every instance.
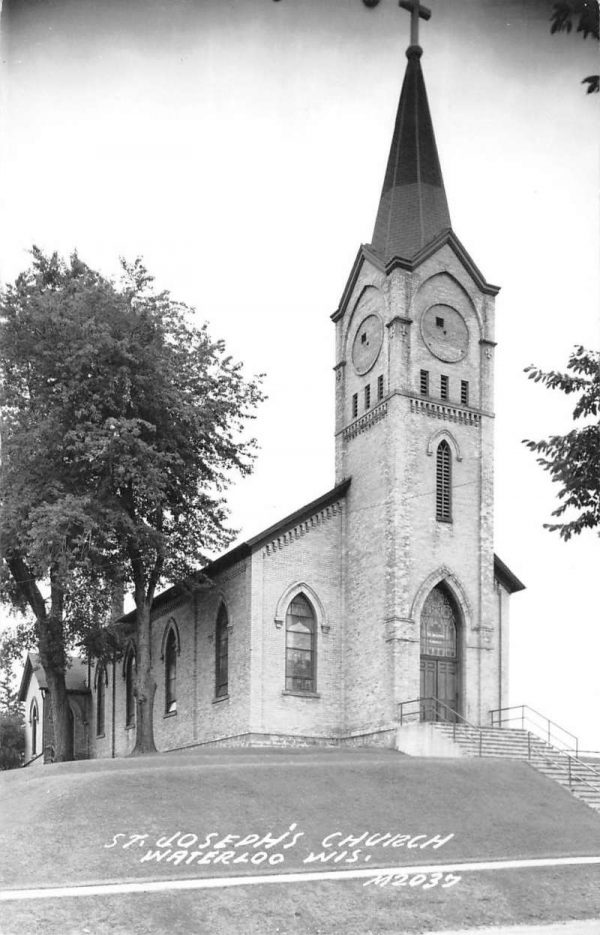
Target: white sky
(239, 146)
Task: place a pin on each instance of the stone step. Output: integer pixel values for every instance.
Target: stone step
(519, 744)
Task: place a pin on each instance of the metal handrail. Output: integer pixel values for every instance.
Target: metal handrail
(556, 753)
(456, 716)
(498, 720)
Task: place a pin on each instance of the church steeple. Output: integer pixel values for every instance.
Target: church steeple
(413, 208)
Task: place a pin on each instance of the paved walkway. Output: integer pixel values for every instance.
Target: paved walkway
(580, 927)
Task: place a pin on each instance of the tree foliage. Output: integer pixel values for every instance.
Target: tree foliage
(46, 527)
(585, 13)
(123, 425)
(573, 460)
(12, 729)
(12, 740)
(9, 697)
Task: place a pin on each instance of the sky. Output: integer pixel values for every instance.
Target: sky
(239, 147)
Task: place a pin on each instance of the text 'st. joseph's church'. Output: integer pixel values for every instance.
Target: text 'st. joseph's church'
(384, 595)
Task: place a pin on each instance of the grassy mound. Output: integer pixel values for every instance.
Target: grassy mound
(223, 813)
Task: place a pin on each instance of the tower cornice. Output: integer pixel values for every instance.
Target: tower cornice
(446, 238)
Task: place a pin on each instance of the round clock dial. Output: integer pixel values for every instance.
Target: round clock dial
(367, 343)
(445, 333)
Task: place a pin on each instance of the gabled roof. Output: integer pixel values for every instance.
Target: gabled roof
(75, 675)
(506, 577)
(413, 208)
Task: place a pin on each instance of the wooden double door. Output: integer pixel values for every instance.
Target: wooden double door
(439, 657)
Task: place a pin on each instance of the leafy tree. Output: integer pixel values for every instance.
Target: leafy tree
(9, 697)
(12, 740)
(143, 417)
(46, 526)
(585, 13)
(12, 729)
(573, 460)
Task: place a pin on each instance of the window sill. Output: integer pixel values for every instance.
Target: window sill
(219, 698)
(441, 519)
(100, 736)
(130, 727)
(298, 694)
(170, 714)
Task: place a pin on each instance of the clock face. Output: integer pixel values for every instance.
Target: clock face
(367, 343)
(369, 334)
(445, 333)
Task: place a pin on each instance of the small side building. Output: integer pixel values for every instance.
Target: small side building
(34, 694)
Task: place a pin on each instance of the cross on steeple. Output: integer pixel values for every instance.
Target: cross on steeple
(416, 10)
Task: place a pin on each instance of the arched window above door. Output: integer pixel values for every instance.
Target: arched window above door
(438, 625)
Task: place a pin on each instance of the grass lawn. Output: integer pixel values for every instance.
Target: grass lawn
(99, 821)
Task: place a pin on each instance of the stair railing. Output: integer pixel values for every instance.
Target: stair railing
(578, 771)
(423, 705)
(541, 726)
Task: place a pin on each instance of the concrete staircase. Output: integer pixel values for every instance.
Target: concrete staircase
(578, 777)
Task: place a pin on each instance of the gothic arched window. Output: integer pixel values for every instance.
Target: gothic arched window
(129, 688)
(300, 646)
(221, 654)
(443, 483)
(171, 673)
(438, 625)
(34, 718)
(101, 680)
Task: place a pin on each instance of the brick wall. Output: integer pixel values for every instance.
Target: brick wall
(306, 558)
(396, 550)
(367, 562)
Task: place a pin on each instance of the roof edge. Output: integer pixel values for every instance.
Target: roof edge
(25, 679)
(245, 549)
(325, 499)
(367, 252)
(364, 253)
(445, 237)
(506, 577)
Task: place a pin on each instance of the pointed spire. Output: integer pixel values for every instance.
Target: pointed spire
(412, 209)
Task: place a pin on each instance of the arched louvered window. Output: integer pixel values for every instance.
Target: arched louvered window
(171, 673)
(221, 654)
(300, 646)
(129, 688)
(34, 718)
(443, 483)
(100, 700)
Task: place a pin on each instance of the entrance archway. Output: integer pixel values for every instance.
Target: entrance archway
(440, 662)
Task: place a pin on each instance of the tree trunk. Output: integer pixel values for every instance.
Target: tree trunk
(61, 747)
(145, 684)
(51, 645)
(53, 661)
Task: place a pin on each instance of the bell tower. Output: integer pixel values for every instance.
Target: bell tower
(414, 432)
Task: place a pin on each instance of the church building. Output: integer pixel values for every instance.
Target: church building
(383, 599)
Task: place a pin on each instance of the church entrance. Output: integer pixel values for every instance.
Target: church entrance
(439, 657)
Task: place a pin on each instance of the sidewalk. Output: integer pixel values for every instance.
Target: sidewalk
(577, 927)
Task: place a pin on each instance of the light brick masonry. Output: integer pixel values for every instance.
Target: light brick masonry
(366, 555)
(395, 563)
